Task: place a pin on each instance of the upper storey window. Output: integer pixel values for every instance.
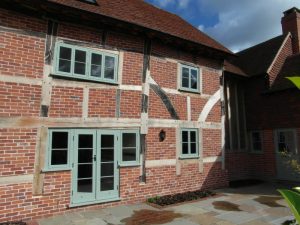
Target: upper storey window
(84, 63)
(190, 78)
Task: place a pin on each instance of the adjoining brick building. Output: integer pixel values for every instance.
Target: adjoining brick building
(104, 103)
(263, 107)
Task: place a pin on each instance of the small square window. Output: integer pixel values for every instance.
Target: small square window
(190, 78)
(189, 143)
(58, 149)
(129, 148)
(256, 141)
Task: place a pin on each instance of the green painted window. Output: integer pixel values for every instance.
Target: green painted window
(83, 63)
(130, 148)
(190, 78)
(189, 143)
(256, 141)
(59, 145)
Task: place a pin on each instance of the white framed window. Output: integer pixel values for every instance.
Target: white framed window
(84, 63)
(256, 141)
(189, 78)
(189, 143)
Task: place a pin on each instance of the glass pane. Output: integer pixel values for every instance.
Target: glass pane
(107, 141)
(107, 155)
(194, 79)
(185, 82)
(193, 148)
(185, 73)
(85, 170)
(193, 136)
(255, 136)
(96, 71)
(79, 68)
(85, 141)
(107, 184)
(85, 156)
(65, 53)
(129, 154)
(59, 140)
(129, 140)
(107, 169)
(257, 146)
(282, 147)
(80, 56)
(59, 157)
(64, 66)
(109, 67)
(184, 136)
(96, 59)
(85, 185)
(185, 148)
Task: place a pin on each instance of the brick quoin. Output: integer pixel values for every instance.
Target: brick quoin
(22, 58)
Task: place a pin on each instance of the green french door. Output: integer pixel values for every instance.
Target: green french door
(95, 173)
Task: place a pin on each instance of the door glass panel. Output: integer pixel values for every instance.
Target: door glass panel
(85, 163)
(107, 183)
(85, 185)
(107, 163)
(107, 169)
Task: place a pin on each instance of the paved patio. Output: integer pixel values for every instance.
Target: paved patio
(256, 205)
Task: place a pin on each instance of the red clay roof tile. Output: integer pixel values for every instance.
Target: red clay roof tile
(143, 14)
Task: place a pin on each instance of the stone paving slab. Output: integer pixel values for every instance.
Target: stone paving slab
(203, 212)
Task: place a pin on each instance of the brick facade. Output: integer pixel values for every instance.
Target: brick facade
(22, 60)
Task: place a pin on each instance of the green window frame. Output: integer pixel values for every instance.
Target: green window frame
(127, 148)
(56, 153)
(189, 143)
(256, 142)
(85, 64)
(188, 76)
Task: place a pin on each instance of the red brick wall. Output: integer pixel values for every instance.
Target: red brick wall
(211, 142)
(69, 31)
(156, 107)
(22, 55)
(102, 103)
(132, 68)
(210, 81)
(197, 105)
(164, 72)
(19, 99)
(17, 151)
(161, 150)
(66, 102)
(130, 106)
(241, 165)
